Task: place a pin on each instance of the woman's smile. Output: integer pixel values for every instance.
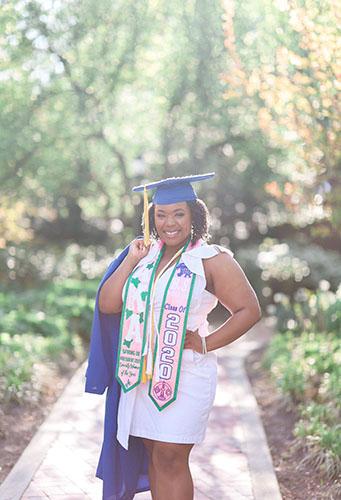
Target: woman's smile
(171, 234)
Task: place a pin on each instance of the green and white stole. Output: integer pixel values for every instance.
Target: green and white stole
(137, 349)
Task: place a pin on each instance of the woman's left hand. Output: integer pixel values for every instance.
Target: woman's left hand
(193, 341)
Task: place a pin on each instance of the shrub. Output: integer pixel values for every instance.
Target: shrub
(284, 268)
(41, 326)
(29, 266)
(307, 368)
(309, 311)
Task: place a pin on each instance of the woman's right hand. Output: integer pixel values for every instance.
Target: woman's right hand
(137, 250)
(110, 298)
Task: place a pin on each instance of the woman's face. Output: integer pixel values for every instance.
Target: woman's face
(173, 223)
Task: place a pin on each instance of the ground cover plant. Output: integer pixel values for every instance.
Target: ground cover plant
(49, 325)
(305, 360)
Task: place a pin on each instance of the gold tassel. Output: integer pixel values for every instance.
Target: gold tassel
(146, 240)
(146, 217)
(144, 376)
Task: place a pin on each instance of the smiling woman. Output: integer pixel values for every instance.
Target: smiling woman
(153, 305)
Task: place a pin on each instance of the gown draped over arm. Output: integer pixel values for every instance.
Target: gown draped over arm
(124, 472)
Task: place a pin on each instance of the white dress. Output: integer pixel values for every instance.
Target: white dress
(184, 420)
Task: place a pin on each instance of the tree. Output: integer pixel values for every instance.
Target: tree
(88, 87)
(286, 67)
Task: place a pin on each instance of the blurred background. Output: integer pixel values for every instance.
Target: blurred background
(98, 96)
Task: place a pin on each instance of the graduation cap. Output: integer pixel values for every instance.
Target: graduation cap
(168, 191)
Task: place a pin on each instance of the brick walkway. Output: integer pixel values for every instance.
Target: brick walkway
(222, 467)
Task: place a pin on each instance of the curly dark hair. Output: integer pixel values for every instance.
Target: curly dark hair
(200, 220)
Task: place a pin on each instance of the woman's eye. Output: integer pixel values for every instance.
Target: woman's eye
(161, 216)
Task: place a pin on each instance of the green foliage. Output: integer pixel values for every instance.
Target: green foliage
(78, 108)
(318, 431)
(309, 311)
(28, 265)
(50, 310)
(320, 424)
(42, 326)
(283, 67)
(285, 274)
(307, 368)
(21, 354)
(16, 365)
(303, 264)
(82, 106)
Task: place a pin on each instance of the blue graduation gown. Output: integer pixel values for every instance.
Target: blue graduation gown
(124, 472)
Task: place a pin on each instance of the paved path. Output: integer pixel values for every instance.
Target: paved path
(233, 463)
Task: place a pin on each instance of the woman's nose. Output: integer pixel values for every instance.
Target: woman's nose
(170, 222)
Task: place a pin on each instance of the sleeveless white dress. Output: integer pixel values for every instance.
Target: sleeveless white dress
(184, 420)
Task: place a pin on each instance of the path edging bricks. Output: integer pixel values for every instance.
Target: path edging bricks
(20, 476)
(264, 481)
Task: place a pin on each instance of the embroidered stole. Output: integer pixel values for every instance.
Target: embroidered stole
(136, 342)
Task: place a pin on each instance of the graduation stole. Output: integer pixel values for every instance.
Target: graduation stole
(136, 350)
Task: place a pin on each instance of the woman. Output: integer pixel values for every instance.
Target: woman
(166, 364)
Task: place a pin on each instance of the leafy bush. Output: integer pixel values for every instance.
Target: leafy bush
(30, 266)
(277, 267)
(58, 307)
(309, 311)
(303, 264)
(42, 326)
(21, 355)
(307, 368)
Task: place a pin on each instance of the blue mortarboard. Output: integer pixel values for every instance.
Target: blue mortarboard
(174, 189)
(168, 191)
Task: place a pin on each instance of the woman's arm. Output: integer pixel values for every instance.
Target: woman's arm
(227, 281)
(234, 291)
(110, 296)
